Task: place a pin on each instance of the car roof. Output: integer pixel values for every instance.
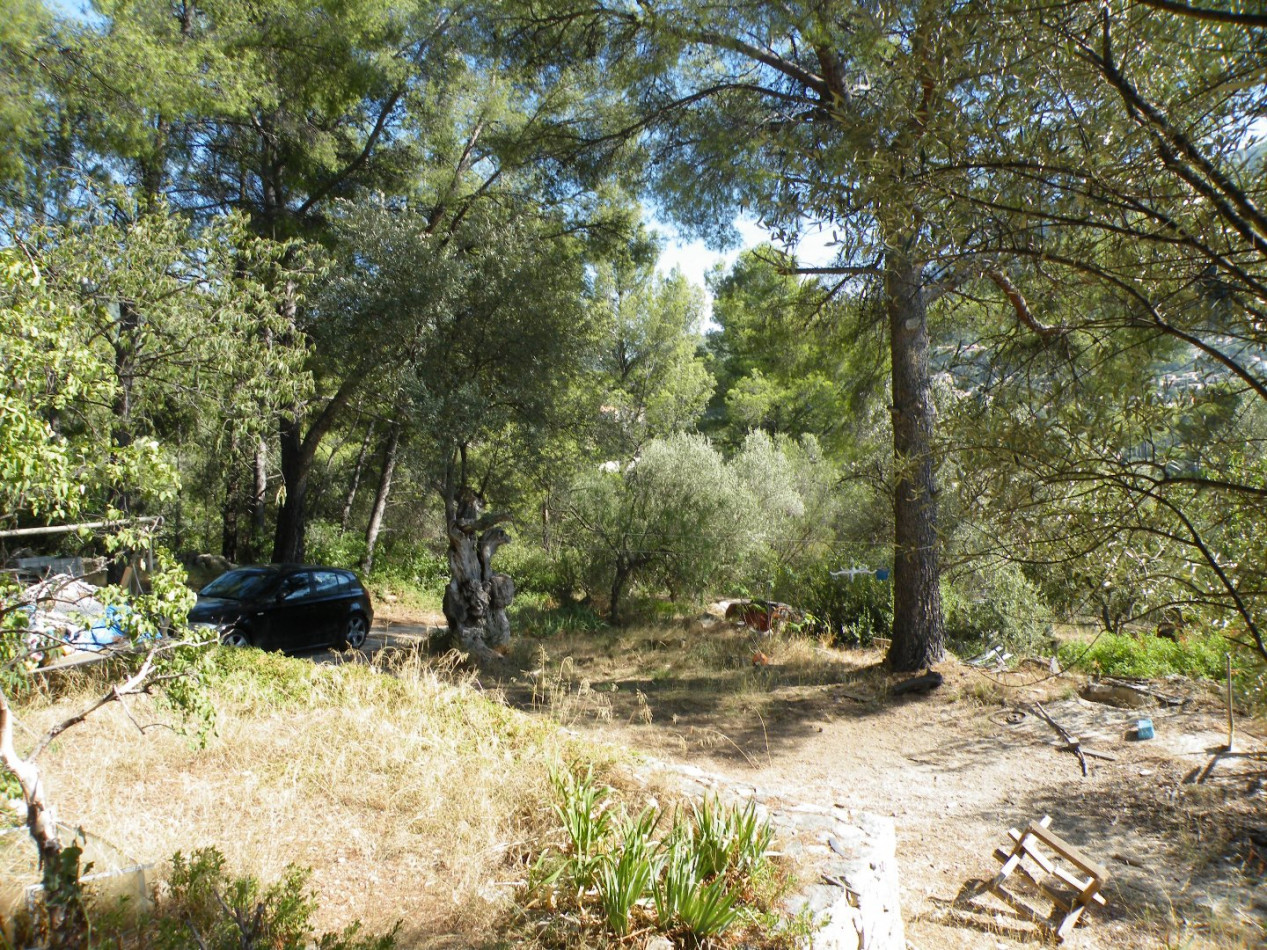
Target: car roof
(291, 568)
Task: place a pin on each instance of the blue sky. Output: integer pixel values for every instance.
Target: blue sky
(695, 259)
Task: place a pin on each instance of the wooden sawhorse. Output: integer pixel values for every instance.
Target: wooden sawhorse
(1086, 883)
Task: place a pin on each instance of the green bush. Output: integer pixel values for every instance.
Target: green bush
(994, 605)
(849, 611)
(533, 615)
(537, 571)
(326, 544)
(1148, 657)
(204, 906)
(421, 566)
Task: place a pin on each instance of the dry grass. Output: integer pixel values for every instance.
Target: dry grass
(411, 796)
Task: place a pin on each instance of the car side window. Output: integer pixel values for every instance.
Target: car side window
(325, 583)
(295, 587)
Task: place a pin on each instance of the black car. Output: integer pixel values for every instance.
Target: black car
(286, 607)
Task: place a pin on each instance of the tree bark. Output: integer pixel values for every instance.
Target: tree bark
(390, 450)
(476, 597)
(919, 635)
(621, 578)
(292, 516)
(259, 495)
(298, 452)
(356, 476)
(123, 341)
(63, 897)
(233, 486)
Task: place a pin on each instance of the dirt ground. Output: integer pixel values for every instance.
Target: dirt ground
(1181, 827)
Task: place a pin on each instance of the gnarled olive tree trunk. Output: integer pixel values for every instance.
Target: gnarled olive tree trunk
(476, 598)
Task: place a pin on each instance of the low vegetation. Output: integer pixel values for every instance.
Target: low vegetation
(698, 873)
(397, 795)
(402, 787)
(1148, 657)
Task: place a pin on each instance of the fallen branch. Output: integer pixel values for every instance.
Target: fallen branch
(1072, 743)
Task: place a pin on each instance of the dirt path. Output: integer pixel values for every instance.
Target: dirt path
(1183, 839)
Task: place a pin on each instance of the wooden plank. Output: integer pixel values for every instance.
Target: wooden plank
(1008, 867)
(1039, 858)
(1002, 854)
(1057, 898)
(1068, 851)
(1070, 921)
(1055, 870)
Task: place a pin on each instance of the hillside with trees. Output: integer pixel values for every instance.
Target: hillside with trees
(378, 285)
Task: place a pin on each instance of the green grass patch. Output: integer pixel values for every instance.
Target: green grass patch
(1148, 657)
(537, 616)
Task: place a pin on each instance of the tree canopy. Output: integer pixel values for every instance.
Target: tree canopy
(294, 251)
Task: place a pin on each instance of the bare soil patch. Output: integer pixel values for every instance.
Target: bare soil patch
(1182, 829)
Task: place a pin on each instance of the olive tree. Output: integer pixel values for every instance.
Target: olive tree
(679, 517)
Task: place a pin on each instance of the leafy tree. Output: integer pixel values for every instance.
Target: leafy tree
(862, 120)
(23, 113)
(655, 382)
(1130, 438)
(57, 465)
(489, 333)
(676, 518)
(792, 360)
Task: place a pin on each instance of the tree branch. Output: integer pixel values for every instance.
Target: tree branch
(1206, 13)
(1021, 305)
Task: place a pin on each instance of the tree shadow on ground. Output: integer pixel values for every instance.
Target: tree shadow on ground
(692, 686)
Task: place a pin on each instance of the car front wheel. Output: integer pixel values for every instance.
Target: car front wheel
(357, 630)
(236, 638)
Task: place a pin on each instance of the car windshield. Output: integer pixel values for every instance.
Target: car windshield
(239, 585)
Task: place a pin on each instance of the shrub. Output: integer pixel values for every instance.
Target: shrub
(206, 907)
(1148, 657)
(534, 616)
(326, 544)
(411, 564)
(537, 571)
(695, 875)
(849, 611)
(997, 604)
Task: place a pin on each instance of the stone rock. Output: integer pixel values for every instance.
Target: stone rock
(1113, 695)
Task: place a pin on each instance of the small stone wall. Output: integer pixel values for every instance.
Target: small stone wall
(846, 861)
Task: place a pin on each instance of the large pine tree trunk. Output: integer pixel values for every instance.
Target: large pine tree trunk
(476, 597)
(919, 635)
(390, 450)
